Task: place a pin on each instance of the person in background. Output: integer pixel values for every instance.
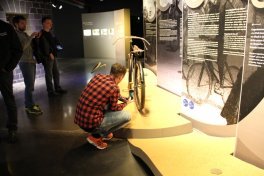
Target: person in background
(27, 64)
(98, 111)
(10, 53)
(48, 49)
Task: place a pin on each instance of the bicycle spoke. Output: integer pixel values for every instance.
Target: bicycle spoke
(139, 87)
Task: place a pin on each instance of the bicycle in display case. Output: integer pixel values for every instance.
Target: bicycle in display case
(203, 75)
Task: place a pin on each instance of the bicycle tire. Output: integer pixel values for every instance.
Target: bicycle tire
(199, 91)
(130, 78)
(185, 67)
(139, 86)
(130, 71)
(230, 77)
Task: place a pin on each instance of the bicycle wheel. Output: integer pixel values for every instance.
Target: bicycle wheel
(130, 70)
(199, 82)
(130, 78)
(230, 77)
(185, 67)
(139, 86)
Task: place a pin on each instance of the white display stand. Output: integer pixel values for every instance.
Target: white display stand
(250, 138)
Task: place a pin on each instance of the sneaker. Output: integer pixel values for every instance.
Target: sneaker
(61, 91)
(108, 137)
(12, 136)
(97, 142)
(38, 107)
(34, 110)
(53, 94)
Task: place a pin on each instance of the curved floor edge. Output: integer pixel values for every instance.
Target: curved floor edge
(144, 157)
(154, 133)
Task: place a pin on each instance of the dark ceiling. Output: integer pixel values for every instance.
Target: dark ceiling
(78, 3)
(135, 6)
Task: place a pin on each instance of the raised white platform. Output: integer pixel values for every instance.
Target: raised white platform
(250, 138)
(160, 118)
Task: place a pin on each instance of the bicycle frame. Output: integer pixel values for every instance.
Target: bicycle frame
(217, 78)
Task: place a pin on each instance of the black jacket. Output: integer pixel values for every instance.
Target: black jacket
(10, 47)
(47, 44)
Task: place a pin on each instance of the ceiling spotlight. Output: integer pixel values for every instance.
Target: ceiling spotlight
(53, 5)
(60, 7)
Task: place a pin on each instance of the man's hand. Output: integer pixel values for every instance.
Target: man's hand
(130, 100)
(34, 34)
(52, 56)
(39, 34)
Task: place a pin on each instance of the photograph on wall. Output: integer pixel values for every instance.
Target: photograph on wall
(169, 17)
(213, 54)
(149, 25)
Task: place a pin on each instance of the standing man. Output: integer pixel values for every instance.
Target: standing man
(10, 53)
(48, 49)
(27, 64)
(98, 111)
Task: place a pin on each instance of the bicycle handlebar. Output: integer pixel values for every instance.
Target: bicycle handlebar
(133, 37)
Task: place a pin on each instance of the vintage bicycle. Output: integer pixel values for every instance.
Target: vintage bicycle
(136, 79)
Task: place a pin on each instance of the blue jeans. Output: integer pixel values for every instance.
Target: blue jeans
(113, 120)
(29, 73)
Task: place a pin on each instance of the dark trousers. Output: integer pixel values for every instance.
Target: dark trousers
(51, 72)
(29, 73)
(6, 88)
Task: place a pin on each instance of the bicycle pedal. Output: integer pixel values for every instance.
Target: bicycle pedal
(219, 91)
(217, 86)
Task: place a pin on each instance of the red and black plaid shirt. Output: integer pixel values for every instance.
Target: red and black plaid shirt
(100, 92)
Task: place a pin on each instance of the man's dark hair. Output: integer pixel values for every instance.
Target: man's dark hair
(16, 19)
(45, 18)
(118, 70)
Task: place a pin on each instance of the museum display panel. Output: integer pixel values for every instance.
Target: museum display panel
(100, 30)
(250, 140)
(169, 18)
(150, 33)
(213, 55)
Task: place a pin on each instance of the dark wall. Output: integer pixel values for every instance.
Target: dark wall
(135, 6)
(68, 22)
(68, 29)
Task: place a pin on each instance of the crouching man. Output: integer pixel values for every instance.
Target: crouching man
(98, 111)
